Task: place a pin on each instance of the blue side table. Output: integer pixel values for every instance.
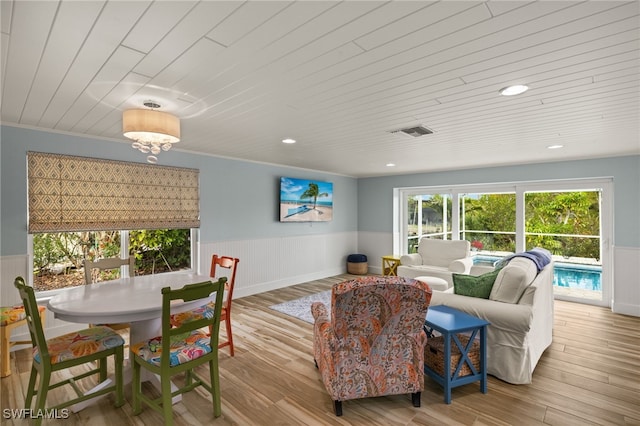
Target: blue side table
(449, 322)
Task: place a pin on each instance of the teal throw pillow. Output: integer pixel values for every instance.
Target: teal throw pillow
(474, 286)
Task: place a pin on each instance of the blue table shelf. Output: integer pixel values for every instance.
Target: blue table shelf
(450, 322)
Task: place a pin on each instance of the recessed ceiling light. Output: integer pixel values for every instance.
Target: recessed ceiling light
(288, 140)
(514, 90)
(555, 146)
(391, 165)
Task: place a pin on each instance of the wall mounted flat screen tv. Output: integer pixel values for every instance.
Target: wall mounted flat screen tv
(304, 200)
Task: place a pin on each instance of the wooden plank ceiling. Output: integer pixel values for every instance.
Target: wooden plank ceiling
(336, 76)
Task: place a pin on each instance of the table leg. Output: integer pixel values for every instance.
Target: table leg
(447, 368)
(483, 359)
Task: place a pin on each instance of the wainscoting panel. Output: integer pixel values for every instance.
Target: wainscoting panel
(10, 268)
(268, 264)
(626, 281)
(375, 245)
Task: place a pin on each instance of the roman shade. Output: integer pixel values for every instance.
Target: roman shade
(69, 193)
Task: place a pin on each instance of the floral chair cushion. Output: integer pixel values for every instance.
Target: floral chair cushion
(12, 314)
(79, 344)
(204, 311)
(373, 344)
(183, 348)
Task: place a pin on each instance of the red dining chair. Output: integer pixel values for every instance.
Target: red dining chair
(229, 263)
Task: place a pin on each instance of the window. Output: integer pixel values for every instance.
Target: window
(570, 218)
(429, 215)
(78, 205)
(58, 257)
(489, 221)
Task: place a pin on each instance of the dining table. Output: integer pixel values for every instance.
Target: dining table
(134, 300)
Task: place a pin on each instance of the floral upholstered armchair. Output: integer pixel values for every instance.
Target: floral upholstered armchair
(373, 344)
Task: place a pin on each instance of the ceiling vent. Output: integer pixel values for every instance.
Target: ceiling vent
(415, 131)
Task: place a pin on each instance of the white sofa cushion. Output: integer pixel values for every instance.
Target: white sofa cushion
(513, 279)
(442, 252)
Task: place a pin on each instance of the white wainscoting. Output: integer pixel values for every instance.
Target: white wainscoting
(375, 245)
(626, 281)
(265, 264)
(268, 264)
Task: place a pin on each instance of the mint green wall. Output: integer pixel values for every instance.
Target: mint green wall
(375, 194)
(238, 200)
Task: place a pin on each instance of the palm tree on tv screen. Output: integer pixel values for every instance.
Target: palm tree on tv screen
(313, 192)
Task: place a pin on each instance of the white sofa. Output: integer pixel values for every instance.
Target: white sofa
(520, 310)
(437, 258)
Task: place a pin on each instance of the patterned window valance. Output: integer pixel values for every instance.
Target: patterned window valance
(68, 193)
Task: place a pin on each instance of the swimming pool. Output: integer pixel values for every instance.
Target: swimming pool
(570, 275)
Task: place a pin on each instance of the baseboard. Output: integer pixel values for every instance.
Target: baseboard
(286, 282)
(625, 309)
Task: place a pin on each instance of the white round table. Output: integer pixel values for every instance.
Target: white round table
(134, 300)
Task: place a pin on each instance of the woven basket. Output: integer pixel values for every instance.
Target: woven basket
(434, 355)
(357, 268)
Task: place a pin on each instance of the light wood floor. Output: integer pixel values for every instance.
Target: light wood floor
(590, 375)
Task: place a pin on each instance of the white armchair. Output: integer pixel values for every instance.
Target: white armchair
(437, 258)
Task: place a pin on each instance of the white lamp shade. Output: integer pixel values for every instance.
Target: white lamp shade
(150, 126)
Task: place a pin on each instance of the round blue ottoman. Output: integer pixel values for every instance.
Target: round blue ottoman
(357, 264)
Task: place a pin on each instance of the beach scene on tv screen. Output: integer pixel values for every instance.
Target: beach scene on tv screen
(303, 200)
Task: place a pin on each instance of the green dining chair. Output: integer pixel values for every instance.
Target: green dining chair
(180, 349)
(69, 350)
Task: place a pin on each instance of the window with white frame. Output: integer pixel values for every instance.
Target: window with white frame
(570, 218)
(87, 209)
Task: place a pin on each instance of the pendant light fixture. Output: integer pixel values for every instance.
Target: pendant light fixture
(153, 131)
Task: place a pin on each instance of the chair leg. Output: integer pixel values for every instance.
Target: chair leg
(119, 362)
(5, 345)
(41, 398)
(167, 404)
(32, 387)
(214, 376)
(415, 399)
(102, 365)
(229, 334)
(135, 389)
(337, 406)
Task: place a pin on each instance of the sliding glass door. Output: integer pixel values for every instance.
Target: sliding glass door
(571, 219)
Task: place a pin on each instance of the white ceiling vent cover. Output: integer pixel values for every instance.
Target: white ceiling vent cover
(414, 132)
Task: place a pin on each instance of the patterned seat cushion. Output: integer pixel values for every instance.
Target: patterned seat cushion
(204, 311)
(12, 314)
(184, 348)
(80, 343)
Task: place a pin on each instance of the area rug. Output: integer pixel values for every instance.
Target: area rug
(301, 308)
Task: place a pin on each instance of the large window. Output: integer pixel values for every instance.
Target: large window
(489, 221)
(58, 257)
(78, 206)
(571, 219)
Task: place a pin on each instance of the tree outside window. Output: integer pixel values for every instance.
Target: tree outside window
(58, 258)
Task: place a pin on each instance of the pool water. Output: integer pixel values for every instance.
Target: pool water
(570, 275)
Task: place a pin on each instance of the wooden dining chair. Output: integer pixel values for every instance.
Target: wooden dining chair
(180, 349)
(108, 264)
(12, 317)
(229, 263)
(86, 346)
